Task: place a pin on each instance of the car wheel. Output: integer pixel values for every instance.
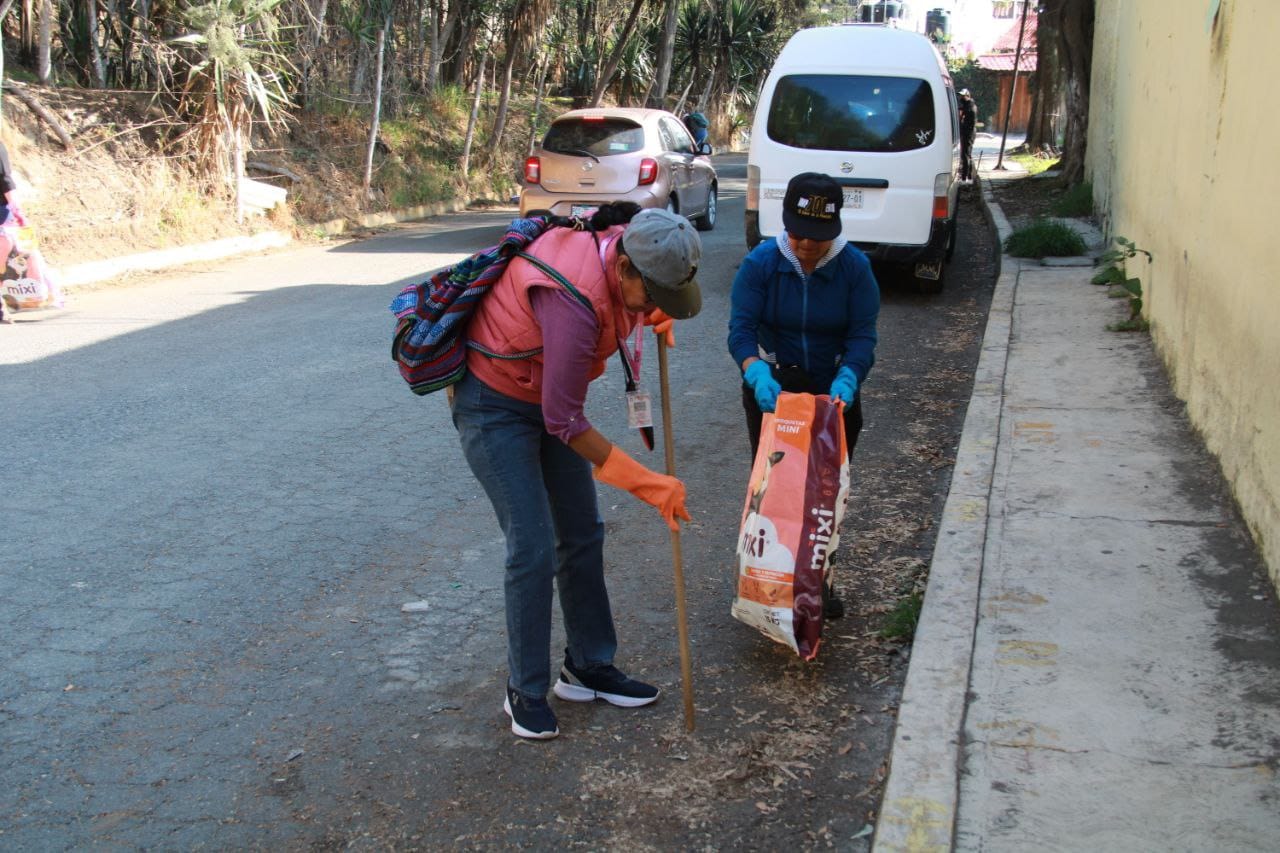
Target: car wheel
(951, 239)
(707, 221)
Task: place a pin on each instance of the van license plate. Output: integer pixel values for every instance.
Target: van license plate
(582, 209)
(853, 199)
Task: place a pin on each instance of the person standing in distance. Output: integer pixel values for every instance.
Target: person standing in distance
(968, 129)
(10, 215)
(803, 315)
(529, 444)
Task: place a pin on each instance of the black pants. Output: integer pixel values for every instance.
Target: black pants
(796, 381)
(966, 159)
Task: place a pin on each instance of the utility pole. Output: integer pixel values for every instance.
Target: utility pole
(1013, 87)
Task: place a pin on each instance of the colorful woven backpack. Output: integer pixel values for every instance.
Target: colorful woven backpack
(429, 345)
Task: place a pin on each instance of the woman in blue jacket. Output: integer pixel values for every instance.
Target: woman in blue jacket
(803, 313)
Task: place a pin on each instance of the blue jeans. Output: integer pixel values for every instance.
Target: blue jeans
(545, 499)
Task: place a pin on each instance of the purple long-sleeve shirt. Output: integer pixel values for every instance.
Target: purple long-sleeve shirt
(569, 334)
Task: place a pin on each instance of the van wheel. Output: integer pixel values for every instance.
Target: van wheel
(707, 221)
(951, 240)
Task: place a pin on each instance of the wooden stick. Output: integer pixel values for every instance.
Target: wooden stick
(682, 624)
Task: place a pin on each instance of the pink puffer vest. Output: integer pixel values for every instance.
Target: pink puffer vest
(504, 322)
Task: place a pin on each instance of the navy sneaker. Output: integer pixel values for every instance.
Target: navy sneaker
(530, 718)
(602, 682)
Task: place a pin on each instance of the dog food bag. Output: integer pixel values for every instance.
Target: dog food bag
(24, 293)
(791, 521)
(28, 281)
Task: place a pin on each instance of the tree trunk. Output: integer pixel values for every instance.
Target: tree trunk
(1045, 91)
(27, 31)
(466, 36)
(684, 96)
(537, 105)
(657, 97)
(475, 114)
(315, 11)
(33, 104)
(44, 67)
(377, 109)
(504, 97)
(237, 166)
(96, 63)
(5, 6)
(606, 73)
(706, 90)
(1075, 45)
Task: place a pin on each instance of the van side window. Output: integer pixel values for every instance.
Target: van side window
(955, 114)
(850, 112)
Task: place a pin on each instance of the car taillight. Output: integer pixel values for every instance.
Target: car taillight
(753, 187)
(648, 171)
(941, 199)
(532, 170)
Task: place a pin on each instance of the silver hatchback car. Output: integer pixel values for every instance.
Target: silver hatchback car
(594, 156)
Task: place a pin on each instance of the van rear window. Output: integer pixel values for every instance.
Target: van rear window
(849, 112)
(600, 137)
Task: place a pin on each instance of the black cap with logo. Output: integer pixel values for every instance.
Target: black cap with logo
(811, 207)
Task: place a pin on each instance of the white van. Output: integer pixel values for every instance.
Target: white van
(874, 108)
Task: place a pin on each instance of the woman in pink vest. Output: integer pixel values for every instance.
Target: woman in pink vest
(533, 450)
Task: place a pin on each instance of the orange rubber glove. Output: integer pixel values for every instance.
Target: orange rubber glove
(666, 494)
(662, 325)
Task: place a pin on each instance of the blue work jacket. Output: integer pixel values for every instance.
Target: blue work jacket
(817, 322)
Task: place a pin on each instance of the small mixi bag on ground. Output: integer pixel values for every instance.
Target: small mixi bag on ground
(28, 280)
(791, 521)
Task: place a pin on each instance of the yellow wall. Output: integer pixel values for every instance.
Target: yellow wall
(1184, 155)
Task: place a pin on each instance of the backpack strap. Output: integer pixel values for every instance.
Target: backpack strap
(559, 279)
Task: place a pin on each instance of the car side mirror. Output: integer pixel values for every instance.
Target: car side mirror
(704, 148)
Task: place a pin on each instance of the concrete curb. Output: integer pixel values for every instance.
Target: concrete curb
(110, 268)
(920, 797)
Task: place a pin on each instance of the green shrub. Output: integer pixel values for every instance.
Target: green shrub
(1076, 201)
(1045, 238)
(1110, 275)
(1117, 258)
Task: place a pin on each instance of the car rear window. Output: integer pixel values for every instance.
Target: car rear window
(851, 112)
(599, 137)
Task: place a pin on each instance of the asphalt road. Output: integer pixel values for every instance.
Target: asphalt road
(218, 495)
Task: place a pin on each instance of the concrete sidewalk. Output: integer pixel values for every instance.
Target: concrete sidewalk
(1097, 664)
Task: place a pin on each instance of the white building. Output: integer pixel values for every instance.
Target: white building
(974, 26)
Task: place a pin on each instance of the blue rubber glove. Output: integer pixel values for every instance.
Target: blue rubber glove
(845, 385)
(766, 388)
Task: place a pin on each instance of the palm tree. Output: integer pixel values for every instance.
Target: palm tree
(235, 69)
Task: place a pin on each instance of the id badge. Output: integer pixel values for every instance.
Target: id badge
(639, 409)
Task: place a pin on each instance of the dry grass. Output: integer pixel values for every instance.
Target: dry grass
(129, 187)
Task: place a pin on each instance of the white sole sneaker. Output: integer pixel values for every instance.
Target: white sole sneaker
(520, 731)
(578, 693)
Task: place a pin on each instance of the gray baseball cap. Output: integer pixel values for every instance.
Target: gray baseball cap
(665, 249)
